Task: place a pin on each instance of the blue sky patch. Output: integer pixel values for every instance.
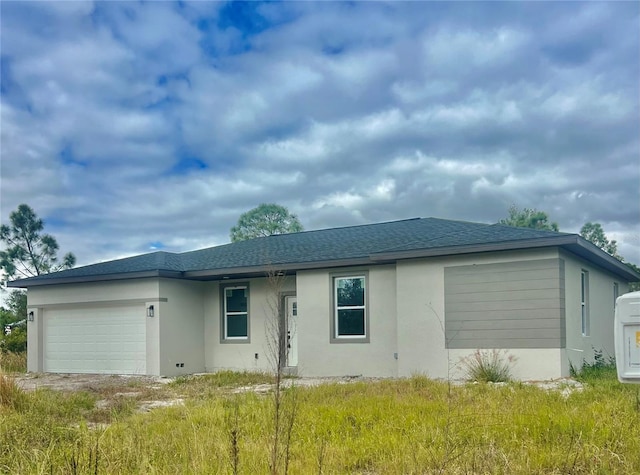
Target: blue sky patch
(68, 157)
(244, 16)
(156, 246)
(55, 222)
(188, 165)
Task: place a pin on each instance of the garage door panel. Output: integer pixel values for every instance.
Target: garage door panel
(95, 340)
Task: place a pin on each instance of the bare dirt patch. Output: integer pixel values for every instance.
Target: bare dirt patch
(114, 394)
(85, 382)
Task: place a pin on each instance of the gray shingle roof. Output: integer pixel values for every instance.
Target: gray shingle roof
(297, 250)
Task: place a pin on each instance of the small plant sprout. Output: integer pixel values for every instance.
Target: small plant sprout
(488, 366)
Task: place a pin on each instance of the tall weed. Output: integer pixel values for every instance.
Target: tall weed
(11, 396)
(488, 366)
(11, 362)
(602, 368)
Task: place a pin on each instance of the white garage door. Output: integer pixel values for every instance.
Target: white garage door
(95, 340)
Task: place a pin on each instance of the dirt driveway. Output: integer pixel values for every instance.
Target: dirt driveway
(82, 382)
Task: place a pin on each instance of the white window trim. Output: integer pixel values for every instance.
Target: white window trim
(335, 338)
(224, 337)
(584, 303)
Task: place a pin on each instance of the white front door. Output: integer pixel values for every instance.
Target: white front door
(292, 331)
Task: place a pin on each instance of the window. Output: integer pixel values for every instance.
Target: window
(235, 312)
(616, 293)
(349, 308)
(584, 302)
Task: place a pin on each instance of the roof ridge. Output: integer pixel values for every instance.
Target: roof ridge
(276, 236)
(348, 227)
(533, 229)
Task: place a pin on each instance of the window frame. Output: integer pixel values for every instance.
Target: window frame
(334, 278)
(224, 315)
(584, 303)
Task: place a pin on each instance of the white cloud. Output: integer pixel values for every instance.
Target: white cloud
(457, 50)
(137, 124)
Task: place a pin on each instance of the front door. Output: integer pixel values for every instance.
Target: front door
(292, 331)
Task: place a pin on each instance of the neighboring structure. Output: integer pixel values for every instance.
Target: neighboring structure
(389, 299)
(8, 328)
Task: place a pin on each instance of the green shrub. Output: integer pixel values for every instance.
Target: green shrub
(15, 342)
(602, 368)
(488, 366)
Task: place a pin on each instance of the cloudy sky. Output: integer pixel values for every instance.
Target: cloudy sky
(131, 127)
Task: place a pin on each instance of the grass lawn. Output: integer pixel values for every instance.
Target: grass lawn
(412, 425)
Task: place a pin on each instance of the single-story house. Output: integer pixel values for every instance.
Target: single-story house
(389, 299)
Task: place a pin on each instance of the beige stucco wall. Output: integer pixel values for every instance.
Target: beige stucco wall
(525, 363)
(124, 292)
(421, 317)
(421, 339)
(406, 320)
(317, 356)
(181, 327)
(236, 355)
(601, 310)
(94, 292)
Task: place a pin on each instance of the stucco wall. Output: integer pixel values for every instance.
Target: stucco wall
(406, 320)
(241, 355)
(125, 292)
(317, 356)
(99, 292)
(181, 331)
(601, 310)
(421, 318)
(525, 363)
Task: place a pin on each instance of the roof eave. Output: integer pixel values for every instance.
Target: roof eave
(571, 242)
(476, 248)
(36, 281)
(593, 253)
(213, 274)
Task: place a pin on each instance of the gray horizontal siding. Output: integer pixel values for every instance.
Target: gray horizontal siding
(512, 284)
(523, 275)
(489, 343)
(490, 306)
(510, 305)
(534, 313)
(505, 324)
(490, 295)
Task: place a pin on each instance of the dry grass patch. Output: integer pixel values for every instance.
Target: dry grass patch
(204, 386)
(13, 362)
(11, 396)
(404, 426)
